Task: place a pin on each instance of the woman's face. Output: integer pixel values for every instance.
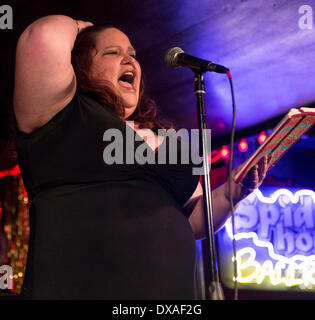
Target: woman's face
(115, 62)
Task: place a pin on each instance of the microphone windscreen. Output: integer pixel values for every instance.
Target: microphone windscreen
(171, 56)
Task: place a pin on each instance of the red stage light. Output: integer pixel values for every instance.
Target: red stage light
(225, 152)
(243, 145)
(262, 137)
(215, 156)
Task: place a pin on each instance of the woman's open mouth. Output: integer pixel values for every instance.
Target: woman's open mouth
(126, 81)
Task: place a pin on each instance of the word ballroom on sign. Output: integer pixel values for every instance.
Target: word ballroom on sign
(6, 17)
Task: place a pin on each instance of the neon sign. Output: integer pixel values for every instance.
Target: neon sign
(275, 240)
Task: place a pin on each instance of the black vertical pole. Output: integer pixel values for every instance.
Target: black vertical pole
(214, 292)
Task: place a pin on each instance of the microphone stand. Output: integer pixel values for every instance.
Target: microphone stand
(215, 291)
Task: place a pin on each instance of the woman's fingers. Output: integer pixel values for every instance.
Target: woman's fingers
(257, 174)
(262, 168)
(84, 24)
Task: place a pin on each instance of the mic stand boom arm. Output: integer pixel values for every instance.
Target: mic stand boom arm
(215, 291)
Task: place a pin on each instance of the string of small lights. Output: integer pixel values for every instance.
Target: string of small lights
(14, 220)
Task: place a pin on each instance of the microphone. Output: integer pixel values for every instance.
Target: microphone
(176, 57)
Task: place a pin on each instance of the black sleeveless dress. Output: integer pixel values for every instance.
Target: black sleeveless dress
(101, 231)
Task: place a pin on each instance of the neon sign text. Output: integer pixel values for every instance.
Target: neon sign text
(277, 235)
(289, 274)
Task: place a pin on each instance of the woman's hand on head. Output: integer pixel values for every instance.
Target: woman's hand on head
(83, 24)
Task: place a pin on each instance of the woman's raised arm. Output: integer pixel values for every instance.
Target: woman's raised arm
(44, 78)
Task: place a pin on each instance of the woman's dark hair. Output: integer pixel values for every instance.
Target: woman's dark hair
(145, 114)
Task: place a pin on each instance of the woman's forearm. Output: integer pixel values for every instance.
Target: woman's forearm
(221, 208)
(221, 203)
